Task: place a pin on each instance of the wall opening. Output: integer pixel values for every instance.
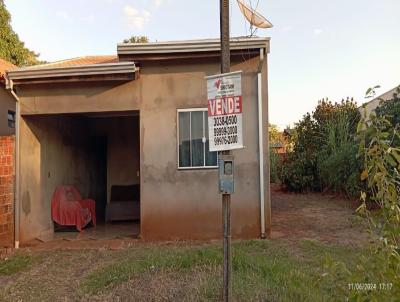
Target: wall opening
(98, 154)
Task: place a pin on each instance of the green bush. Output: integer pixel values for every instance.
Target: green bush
(340, 170)
(324, 153)
(275, 165)
(298, 173)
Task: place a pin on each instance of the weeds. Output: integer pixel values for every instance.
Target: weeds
(261, 270)
(14, 264)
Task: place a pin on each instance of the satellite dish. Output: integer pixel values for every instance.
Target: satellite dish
(253, 16)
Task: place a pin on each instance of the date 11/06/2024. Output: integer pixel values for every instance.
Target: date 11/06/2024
(369, 286)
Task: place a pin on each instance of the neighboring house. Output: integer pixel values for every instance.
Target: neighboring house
(7, 102)
(139, 118)
(278, 148)
(369, 107)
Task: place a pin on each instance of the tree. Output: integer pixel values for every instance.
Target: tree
(277, 141)
(137, 39)
(275, 136)
(324, 151)
(12, 48)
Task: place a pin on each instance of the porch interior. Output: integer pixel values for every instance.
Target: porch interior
(94, 152)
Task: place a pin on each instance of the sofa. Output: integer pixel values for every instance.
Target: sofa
(124, 204)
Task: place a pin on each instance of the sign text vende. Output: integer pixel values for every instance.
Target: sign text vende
(224, 106)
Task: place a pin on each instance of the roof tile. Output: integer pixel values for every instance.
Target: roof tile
(5, 65)
(87, 60)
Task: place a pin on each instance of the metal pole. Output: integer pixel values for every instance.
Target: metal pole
(226, 198)
(226, 204)
(224, 25)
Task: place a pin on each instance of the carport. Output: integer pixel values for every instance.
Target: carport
(97, 152)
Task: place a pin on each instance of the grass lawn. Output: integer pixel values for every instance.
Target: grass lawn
(263, 270)
(308, 232)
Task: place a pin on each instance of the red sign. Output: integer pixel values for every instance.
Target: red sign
(225, 106)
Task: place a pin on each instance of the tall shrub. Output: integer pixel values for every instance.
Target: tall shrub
(277, 141)
(324, 153)
(274, 159)
(299, 170)
(338, 164)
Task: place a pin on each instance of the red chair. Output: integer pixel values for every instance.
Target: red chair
(69, 209)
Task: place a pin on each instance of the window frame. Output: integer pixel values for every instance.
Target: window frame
(11, 121)
(197, 109)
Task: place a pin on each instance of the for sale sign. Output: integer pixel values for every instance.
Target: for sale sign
(225, 109)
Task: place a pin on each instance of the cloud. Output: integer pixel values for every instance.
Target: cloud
(89, 18)
(158, 3)
(64, 15)
(136, 18)
(317, 31)
(287, 28)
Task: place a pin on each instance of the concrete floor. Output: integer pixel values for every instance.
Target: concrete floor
(128, 229)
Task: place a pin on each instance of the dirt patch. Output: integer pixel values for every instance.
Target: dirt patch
(315, 216)
(295, 217)
(87, 244)
(60, 268)
(157, 286)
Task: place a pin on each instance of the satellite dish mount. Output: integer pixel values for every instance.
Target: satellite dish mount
(253, 17)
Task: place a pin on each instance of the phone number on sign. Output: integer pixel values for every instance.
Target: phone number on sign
(225, 120)
(223, 131)
(226, 140)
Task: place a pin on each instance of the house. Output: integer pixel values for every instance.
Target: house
(369, 107)
(279, 148)
(7, 102)
(139, 118)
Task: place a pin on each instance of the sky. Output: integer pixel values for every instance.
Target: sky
(319, 48)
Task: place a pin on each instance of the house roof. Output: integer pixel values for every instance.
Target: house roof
(277, 145)
(242, 48)
(74, 73)
(191, 46)
(75, 67)
(95, 66)
(4, 66)
(80, 61)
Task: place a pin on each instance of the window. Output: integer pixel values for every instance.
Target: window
(193, 140)
(11, 119)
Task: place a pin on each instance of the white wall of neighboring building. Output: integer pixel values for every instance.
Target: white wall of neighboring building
(373, 104)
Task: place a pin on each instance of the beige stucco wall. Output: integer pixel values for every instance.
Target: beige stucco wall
(174, 203)
(123, 152)
(7, 102)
